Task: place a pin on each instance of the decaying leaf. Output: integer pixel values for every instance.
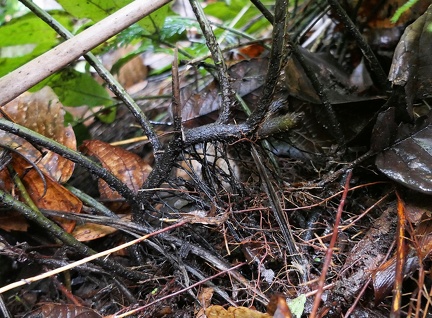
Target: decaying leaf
(204, 298)
(234, 312)
(53, 197)
(43, 113)
(383, 278)
(409, 160)
(279, 307)
(367, 255)
(91, 231)
(336, 82)
(125, 165)
(13, 221)
(63, 311)
(412, 61)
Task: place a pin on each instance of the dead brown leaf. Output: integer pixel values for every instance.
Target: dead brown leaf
(43, 113)
(234, 312)
(125, 165)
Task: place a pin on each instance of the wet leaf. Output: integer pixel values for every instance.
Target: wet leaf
(384, 131)
(63, 311)
(41, 112)
(412, 61)
(125, 165)
(383, 278)
(336, 82)
(409, 160)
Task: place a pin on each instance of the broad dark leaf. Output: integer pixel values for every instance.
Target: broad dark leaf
(339, 86)
(409, 160)
(412, 60)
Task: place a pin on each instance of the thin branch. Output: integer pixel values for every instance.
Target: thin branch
(275, 64)
(330, 248)
(176, 101)
(113, 84)
(228, 95)
(266, 13)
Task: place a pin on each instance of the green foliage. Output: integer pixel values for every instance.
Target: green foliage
(95, 10)
(402, 9)
(7, 9)
(175, 27)
(155, 21)
(76, 89)
(297, 305)
(25, 38)
(228, 12)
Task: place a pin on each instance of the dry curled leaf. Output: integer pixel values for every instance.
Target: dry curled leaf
(43, 113)
(279, 307)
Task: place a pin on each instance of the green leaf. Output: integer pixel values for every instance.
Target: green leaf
(76, 89)
(95, 10)
(26, 37)
(297, 305)
(154, 22)
(401, 10)
(176, 27)
(107, 115)
(227, 12)
(7, 9)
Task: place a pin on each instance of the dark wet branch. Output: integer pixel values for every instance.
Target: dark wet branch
(266, 13)
(228, 95)
(275, 64)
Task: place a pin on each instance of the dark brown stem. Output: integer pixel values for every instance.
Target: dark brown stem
(228, 95)
(275, 64)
